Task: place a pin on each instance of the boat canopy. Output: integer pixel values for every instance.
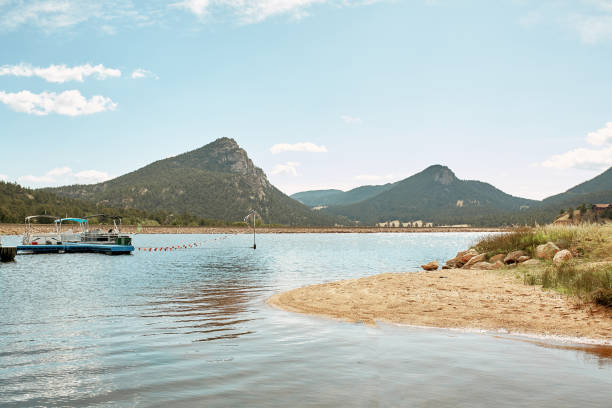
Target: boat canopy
(31, 217)
(79, 220)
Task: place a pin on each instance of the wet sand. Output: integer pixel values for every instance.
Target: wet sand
(18, 229)
(462, 299)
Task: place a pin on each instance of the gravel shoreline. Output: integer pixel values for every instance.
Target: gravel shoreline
(18, 229)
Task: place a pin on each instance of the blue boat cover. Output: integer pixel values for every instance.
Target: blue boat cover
(79, 220)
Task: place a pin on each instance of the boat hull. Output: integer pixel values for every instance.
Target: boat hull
(76, 248)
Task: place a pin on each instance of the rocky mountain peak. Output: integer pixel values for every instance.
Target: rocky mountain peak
(441, 174)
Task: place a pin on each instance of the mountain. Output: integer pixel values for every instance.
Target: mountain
(216, 181)
(314, 198)
(17, 202)
(438, 196)
(596, 190)
(317, 198)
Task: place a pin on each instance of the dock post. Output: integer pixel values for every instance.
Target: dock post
(7, 254)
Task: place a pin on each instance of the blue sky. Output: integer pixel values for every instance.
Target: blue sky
(322, 94)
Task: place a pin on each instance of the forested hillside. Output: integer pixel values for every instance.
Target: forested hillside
(17, 202)
(217, 181)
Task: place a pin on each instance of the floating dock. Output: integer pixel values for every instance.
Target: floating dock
(7, 254)
(76, 247)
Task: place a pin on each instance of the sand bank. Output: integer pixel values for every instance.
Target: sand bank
(465, 299)
(18, 229)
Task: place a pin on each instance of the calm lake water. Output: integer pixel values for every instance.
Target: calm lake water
(191, 328)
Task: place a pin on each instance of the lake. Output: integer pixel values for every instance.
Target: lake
(191, 328)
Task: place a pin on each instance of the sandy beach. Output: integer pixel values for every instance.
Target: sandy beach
(466, 299)
(18, 229)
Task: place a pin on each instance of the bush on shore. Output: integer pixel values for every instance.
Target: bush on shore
(588, 276)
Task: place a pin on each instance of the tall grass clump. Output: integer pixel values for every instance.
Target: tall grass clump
(591, 283)
(527, 239)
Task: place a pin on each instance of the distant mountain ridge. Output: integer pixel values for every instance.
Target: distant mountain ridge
(437, 195)
(216, 181)
(317, 198)
(219, 181)
(595, 190)
(434, 195)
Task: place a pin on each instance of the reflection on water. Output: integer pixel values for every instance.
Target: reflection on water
(214, 307)
(216, 310)
(191, 328)
(591, 353)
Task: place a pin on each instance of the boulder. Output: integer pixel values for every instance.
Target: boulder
(513, 257)
(446, 267)
(531, 262)
(498, 257)
(523, 259)
(483, 266)
(546, 251)
(451, 263)
(467, 255)
(457, 262)
(474, 260)
(432, 266)
(498, 264)
(562, 256)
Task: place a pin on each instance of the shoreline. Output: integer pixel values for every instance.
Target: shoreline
(18, 229)
(495, 302)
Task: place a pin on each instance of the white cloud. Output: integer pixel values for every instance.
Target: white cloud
(3, 177)
(601, 136)
(29, 179)
(587, 158)
(592, 28)
(61, 73)
(143, 73)
(350, 119)
(70, 103)
(61, 14)
(287, 168)
(64, 175)
(298, 147)
(107, 15)
(197, 7)
(91, 176)
(251, 11)
(581, 158)
(59, 171)
(374, 177)
(46, 13)
(255, 11)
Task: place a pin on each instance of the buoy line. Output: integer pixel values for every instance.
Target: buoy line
(181, 246)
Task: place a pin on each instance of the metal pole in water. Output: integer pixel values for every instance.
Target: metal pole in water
(252, 214)
(254, 244)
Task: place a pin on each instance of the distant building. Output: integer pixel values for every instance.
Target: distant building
(382, 224)
(417, 224)
(406, 224)
(429, 225)
(599, 208)
(394, 223)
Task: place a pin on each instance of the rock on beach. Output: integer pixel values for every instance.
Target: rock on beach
(474, 260)
(431, 266)
(513, 257)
